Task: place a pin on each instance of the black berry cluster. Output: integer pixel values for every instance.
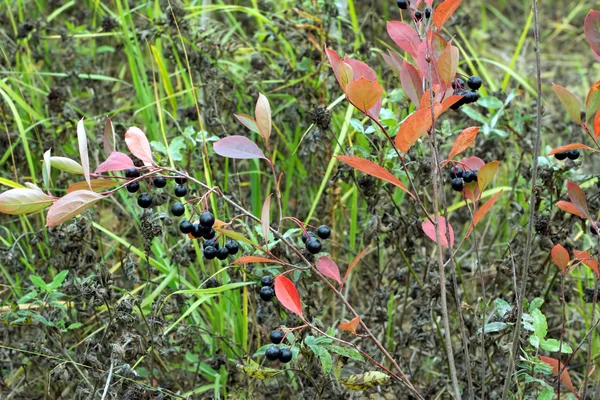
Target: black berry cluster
(266, 291)
(312, 242)
(276, 353)
(571, 155)
(469, 96)
(459, 177)
(145, 199)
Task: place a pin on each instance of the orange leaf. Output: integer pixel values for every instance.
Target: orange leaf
(370, 168)
(592, 100)
(569, 101)
(463, 141)
(560, 256)
(569, 207)
(587, 259)
(577, 197)
(354, 262)
(480, 213)
(97, 184)
(288, 295)
(363, 93)
(448, 64)
(568, 147)
(351, 325)
(486, 174)
(556, 366)
(415, 126)
(254, 259)
(597, 124)
(450, 101)
(444, 11)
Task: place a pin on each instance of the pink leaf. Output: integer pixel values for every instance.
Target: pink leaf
(335, 61)
(248, 122)
(288, 295)
(262, 113)
(115, 162)
(70, 206)
(429, 230)
(138, 145)
(83, 151)
(329, 268)
(237, 147)
(108, 139)
(24, 201)
(404, 36)
(411, 81)
(591, 28)
(472, 163)
(577, 197)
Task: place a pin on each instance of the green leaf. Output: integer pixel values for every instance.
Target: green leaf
(540, 325)
(502, 307)
(535, 304)
(489, 102)
(175, 148)
(58, 280)
(31, 295)
(474, 114)
(41, 319)
(326, 361)
(75, 325)
(553, 345)
(255, 371)
(365, 381)
(546, 394)
(39, 282)
(494, 327)
(534, 341)
(345, 352)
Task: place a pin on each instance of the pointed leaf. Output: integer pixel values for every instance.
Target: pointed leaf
(265, 218)
(481, 211)
(560, 256)
(429, 230)
(138, 144)
(370, 168)
(329, 268)
(597, 124)
(404, 36)
(450, 101)
(365, 381)
(448, 64)
(592, 101)
(360, 69)
(116, 161)
(66, 164)
(569, 207)
(248, 122)
(569, 101)
(70, 206)
(239, 147)
(556, 365)
(463, 141)
(591, 28)
(254, 259)
(336, 62)
(411, 81)
(83, 150)
(587, 259)
(288, 295)
(568, 147)
(109, 138)
(46, 168)
(415, 126)
(444, 11)
(351, 325)
(363, 93)
(486, 175)
(262, 113)
(354, 262)
(577, 197)
(97, 185)
(23, 201)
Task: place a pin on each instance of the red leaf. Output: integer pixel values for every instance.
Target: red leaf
(415, 126)
(336, 62)
(237, 147)
(429, 230)
(83, 151)
(444, 11)
(354, 262)
(557, 366)
(24, 201)
(481, 211)
(450, 101)
(116, 161)
(351, 325)
(568, 147)
(288, 295)
(370, 168)
(569, 101)
(404, 36)
(364, 94)
(448, 64)
(97, 185)
(592, 101)
(597, 124)
(329, 268)
(587, 259)
(108, 139)
(262, 113)
(486, 174)
(437, 46)
(577, 197)
(591, 28)
(265, 218)
(560, 256)
(472, 163)
(411, 81)
(71, 205)
(247, 121)
(463, 141)
(138, 144)
(570, 208)
(254, 259)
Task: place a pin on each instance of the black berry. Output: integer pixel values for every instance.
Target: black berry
(573, 154)
(474, 82)
(267, 293)
(277, 336)
(212, 243)
(273, 353)
(313, 245)
(456, 172)
(223, 253)
(469, 176)
(160, 181)
(458, 83)
(561, 156)
(197, 231)
(132, 172)
(267, 281)
(133, 187)
(181, 179)
(471, 96)
(323, 232)
(177, 209)
(403, 4)
(145, 200)
(186, 226)
(285, 356)
(458, 184)
(210, 252)
(207, 219)
(180, 190)
(232, 246)
(418, 15)
(427, 12)
(305, 237)
(210, 234)
(594, 228)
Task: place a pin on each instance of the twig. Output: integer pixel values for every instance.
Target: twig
(107, 385)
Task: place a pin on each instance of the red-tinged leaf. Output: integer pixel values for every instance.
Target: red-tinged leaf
(71, 205)
(486, 175)
(577, 197)
(288, 295)
(429, 230)
(265, 218)
(444, 11)
(66, 164)
(247, 121)
(560, 256)
(97, 185)
(423, 64)
(569, 207)
(138, 144)
(24, 201)
(411, 81)
(472, 163)
(254, 259)
(364, 94)
(393, 61)
(482, 211)
(587, 259)
(370, 168)
(353, 263)
(262, 113)
(346, 74)
(463, 141)
(571, 146)
(83, 151)
(591, 28)
(556, 367)
(414, 126)
(597, 124)
(450, 101)
(351, 325)
(109, 138)
(404, 36)
(46, 168)
(329, 268)
(116, 161)
(592, 101)
(237, 147)
(360, 69)
(448, 64)
(569, 101)
(336, 62)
